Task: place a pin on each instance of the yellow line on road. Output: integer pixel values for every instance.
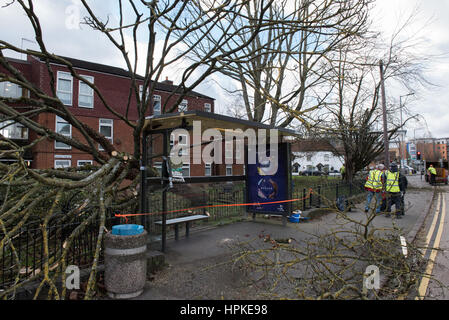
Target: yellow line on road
(425, 281)
(434, 222)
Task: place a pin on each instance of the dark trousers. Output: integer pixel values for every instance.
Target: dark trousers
(432, 179)
(396, 200)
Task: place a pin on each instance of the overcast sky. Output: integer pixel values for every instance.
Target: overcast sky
(431, 26)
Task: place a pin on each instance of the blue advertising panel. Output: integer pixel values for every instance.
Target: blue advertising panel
(268, 188)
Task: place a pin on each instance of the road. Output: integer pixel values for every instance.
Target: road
(435, 237)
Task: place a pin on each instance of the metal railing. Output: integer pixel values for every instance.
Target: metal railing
(29, 245)
(27, 259)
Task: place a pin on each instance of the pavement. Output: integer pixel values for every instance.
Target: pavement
(209, 251)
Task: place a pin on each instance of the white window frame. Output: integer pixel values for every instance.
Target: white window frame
(63, 156)
(4, 131)
(65, 76)
(208, 166)
(91, 79)
(62, 160)
(159, 99)
(183, 106)
(186, 166)
(208, 107)
(61, 120)
(228, 166)
(18, 90)
(141, 91)
(111, 138)
(86, 162)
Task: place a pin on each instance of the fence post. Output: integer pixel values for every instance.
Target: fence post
(319, 197)
(204, 201)
(303, 199)
(336, 192)
(311, 199)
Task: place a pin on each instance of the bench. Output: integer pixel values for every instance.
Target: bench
(185, 220)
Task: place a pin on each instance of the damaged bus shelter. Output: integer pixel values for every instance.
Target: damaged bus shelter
(170, 195)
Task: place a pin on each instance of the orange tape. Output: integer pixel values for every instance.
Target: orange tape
(213, 206)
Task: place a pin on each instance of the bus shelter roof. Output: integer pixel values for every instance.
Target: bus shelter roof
(167, 121)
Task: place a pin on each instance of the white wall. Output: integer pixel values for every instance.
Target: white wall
(306, 159)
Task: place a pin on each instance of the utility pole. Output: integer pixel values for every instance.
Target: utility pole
(402, 131)
(384, 111)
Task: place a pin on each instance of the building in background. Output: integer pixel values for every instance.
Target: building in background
(431, 149)
(114, 84)
(315, 155)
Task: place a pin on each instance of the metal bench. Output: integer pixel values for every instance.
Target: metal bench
(185, 220)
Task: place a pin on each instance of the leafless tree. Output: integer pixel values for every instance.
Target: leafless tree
(282, 75)
(353, 113)
(112, 184)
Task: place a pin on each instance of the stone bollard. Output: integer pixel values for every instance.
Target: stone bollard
(125, 264)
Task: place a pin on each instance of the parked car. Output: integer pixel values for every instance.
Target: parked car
(334, 173)
(312, 173)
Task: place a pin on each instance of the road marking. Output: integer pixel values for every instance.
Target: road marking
(425, 281)
(434, 222)
(404, 246)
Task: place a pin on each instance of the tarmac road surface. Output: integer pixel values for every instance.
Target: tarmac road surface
(435, 236)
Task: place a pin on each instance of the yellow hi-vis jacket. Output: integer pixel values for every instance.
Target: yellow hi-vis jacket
(432, 170)
(392, 182)
(374, 180)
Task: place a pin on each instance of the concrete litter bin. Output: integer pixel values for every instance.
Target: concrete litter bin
(125, 261)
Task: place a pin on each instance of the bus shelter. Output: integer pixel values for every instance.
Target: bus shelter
(267, 191)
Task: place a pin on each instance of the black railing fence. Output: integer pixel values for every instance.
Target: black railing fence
(220, 201)
(324, 195)
(27, 259)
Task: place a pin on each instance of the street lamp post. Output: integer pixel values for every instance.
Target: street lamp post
(384, 114)
(402, 132)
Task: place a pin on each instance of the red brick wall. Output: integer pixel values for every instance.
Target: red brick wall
(115, 90)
